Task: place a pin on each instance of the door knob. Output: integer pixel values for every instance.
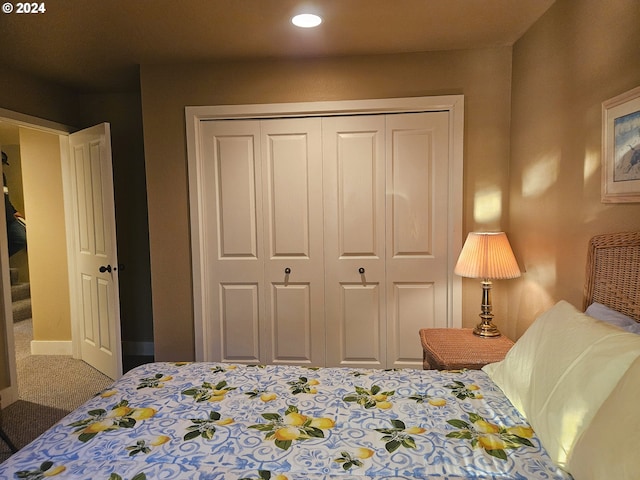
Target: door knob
(287, 271)
(105, 269)
(361, 270)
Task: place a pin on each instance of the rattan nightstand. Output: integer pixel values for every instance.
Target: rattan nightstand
(457, 348)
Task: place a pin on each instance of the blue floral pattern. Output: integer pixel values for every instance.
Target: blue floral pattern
(222, 421)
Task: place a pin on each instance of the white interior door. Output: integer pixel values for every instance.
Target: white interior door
(264, 208)
(354, 194)
(96, 275)
(294, 330)
(232, 203)
(417, 205)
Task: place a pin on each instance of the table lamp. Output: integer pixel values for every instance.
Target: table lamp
(487, 255)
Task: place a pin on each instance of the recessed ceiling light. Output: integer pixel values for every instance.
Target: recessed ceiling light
(306, 20)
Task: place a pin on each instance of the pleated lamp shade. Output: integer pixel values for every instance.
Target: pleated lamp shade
(487, 255)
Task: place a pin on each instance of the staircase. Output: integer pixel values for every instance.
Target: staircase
(20, 297)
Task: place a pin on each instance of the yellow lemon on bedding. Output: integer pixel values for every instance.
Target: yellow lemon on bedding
(381, 397)
(287, 433)
(280, 477)
(491, 442)
(97, 427)
(437, 402)
(55, 471)
(384, 405)
(483, 426)
(415, 430)
(364, 453)
(473, 387)
(267, 397)
(120, 412)
(314, 382)
(225, 421)
(295, 419)
(108, 393)
(525, 432)
(143, 413)
(160, 440)
(217, 398)
(323, 423)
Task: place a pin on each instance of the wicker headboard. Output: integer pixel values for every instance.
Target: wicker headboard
(613, 272)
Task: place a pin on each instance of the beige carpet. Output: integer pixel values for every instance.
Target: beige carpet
(49, 388)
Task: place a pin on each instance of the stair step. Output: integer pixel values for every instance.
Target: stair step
(20, 291)
(21, 310)
(14, 275)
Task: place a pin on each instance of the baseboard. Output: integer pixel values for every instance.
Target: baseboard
(137, 349)
(63, 347)
(51, 347)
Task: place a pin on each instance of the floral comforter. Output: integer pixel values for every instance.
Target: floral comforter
(225, 421)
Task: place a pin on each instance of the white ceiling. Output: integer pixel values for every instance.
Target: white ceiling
(96, 45)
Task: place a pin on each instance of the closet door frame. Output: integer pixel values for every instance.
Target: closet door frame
(195, 115)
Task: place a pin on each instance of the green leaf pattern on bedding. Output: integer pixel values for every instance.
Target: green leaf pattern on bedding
(494, 439)
(215, 421)
(120, 416)
(292, 426)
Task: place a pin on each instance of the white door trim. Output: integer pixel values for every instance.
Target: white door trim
(194, 115)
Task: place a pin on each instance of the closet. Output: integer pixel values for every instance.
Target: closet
(325, 240)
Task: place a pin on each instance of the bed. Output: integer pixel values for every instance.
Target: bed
(224, 421)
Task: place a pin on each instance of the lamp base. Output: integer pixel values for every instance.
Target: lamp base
(488, 330)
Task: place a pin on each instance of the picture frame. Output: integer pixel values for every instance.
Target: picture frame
(621, 148)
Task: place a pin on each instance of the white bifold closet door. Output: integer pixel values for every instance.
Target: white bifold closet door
(386, 208)
(263, 198)
(327, 237)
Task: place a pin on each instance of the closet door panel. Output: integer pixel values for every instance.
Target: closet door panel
(358, 192)
(417, 174)
(360, 328)
(294, 331)
(292, 318)
(412, 304)
(232, 186)
(354, 191)
(235, 184)
(239, 311)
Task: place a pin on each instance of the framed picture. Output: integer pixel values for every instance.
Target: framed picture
(621, 148)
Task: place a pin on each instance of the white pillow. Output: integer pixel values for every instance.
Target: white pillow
(561, 371)
(612, 436)
(609, 315)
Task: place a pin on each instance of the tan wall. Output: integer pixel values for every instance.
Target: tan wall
(46, 236)
(31, 96)
(580, 53)
(124, 113)
(483, 76)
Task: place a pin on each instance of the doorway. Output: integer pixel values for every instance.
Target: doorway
(48, 231)
(67, 179)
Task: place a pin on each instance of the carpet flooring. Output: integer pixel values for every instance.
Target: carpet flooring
(49, 386)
